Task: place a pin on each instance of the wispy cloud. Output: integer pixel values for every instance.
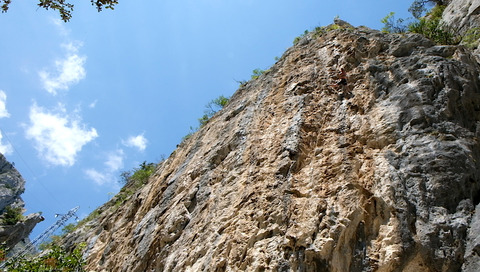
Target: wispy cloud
(5, 149)
(139, 142)
(66, 72)
(113, 163)
(60, 25)
(3, 105)
(97, 177)
(93, 104)
(115, 160)
(57, 136)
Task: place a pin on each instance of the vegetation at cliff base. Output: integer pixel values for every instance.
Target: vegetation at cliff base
(54, 259)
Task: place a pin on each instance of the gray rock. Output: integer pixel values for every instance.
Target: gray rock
(12, 185)
(295, 179)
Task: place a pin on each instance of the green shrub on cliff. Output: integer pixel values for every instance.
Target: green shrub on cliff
(12, 215)
(471, 38)
(432, 27)
(210, 109)
(390, 25)
(138, 175)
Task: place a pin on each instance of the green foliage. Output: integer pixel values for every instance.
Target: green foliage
(210, 109)
(471, 37)
(12, 215)
(90, 217)
(132, 181)
(242, 83)
(139, 175)
(418, 7)
(68, 228)
(258, 72)
(297, 39)
(390, 25)
(432, 27)
(429, 25)
(65, 9)
(54, 259)
(192, 131)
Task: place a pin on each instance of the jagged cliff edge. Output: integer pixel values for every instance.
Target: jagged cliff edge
(12, 185)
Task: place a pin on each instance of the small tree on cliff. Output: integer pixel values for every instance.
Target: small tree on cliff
(418, 7)
(64, 8)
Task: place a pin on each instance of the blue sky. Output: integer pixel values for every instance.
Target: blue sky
(82, 101)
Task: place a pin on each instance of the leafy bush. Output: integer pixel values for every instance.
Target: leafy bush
(297, 39)
(210, 109)
(429, 25)
(213, 106)
(432, 27)
(471, 37)
(12, 215)
(54, 259)
(68, 228)
(393, 26)
(258, 72)
(138, 175)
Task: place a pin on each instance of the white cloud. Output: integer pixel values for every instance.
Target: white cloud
(93, 104)
(138, 141)
(115, 161)
(61, 27)
(68, 71)
(108, 176)
(97, 177)
(3, 105)
(5, 149)
(58, 137)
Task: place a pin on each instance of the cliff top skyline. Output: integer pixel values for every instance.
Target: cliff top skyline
(88, 99)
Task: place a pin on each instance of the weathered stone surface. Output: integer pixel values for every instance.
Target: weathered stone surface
(472, 251)
(11, 235)
(462, 16)
(293, 176)
(12, 185)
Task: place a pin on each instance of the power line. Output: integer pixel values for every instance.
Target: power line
(42, 237)
(34, 176)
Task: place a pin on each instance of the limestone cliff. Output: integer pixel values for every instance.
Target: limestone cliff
(464, 17)
(12, 185)
(295, 175)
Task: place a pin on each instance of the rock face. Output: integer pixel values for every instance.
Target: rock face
(464, 16)
(294, 175)
(12, 185)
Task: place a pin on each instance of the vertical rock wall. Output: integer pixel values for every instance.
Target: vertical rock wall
(295, 175)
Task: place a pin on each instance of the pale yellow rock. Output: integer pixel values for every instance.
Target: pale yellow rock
(291, 176)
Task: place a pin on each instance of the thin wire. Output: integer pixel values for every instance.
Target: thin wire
(28, 167)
